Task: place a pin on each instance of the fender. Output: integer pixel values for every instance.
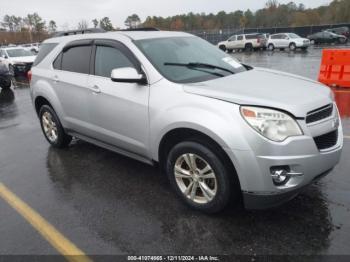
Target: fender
(43, 88)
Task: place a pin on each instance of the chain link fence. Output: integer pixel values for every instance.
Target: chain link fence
(216, 36)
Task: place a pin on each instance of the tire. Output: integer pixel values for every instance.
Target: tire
(223, 48)
(5, 83)
(12, 70)
(292, 47)
(53, 130)
(341, 41)
(248, 47)
(271, 47)
(220, 187)
(313, 42)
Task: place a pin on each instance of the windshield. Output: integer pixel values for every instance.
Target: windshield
(18, 52)
(293, 36)
(188, 59)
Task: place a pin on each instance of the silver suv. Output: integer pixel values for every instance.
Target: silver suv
(219, 129)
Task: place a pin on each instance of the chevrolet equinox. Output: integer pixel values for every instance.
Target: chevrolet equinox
(220, 130)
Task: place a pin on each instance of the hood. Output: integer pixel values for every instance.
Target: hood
(269, 88)
(23, 59)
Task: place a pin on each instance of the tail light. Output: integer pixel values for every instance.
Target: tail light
(29, 75)
(258, 40)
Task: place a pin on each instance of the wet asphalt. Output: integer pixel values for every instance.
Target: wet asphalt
(109, 204)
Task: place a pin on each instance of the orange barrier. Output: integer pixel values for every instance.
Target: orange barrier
(335, 72)
(335, 68)
(342, 98)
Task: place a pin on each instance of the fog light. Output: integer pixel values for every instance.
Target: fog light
(280, 175)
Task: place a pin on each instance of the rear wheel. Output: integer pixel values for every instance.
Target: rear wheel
(199, 176)
(248, 47)
(52, 128)
(271, 47)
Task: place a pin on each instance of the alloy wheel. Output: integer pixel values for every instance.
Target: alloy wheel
(50, 127)
(195, 178)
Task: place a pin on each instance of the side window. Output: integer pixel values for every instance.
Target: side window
(57, 64)
(109, 58)
(44, 51)
(232, 38)
(274, 37)
(240, 37)
(77, 59)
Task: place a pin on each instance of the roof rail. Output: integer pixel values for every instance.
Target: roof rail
(79, 32)
(141, 29)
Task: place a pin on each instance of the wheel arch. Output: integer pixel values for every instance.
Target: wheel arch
(43, 93)
(39, 102)
(180, 134)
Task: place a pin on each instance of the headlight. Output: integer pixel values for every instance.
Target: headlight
(272, 124)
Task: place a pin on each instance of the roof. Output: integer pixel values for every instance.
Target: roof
(11, 48)
(133, 35)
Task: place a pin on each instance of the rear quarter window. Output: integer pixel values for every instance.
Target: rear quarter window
(249, 37)
(45, 49)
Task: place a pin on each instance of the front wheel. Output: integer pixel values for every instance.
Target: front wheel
(292, 47)
(52, 128)
(223, 48)
(199, 176)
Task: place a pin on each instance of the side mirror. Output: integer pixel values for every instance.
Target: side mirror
(127, 75)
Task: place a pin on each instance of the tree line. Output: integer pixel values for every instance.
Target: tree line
(32, 27)
(273, 14)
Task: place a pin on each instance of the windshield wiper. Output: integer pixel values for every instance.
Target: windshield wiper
(200, 65)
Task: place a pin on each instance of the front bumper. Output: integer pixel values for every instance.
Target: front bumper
(255, 201)
(304, 44)
(300, 154)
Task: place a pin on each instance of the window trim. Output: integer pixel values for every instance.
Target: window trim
(117, 45)
(102, 42)
(74, 44)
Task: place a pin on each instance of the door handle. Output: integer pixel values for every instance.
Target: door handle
(55, 79)
(95, 89)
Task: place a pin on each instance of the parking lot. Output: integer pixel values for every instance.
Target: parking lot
(106, 204)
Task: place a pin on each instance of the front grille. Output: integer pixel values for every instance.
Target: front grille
(319, 114)
(326, 141)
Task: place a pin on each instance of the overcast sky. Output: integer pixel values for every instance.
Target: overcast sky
(70, 12)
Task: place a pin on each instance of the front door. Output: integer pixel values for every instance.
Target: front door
(118, 111)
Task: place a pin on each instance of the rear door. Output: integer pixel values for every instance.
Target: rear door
(118, 111)
(69, 79)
